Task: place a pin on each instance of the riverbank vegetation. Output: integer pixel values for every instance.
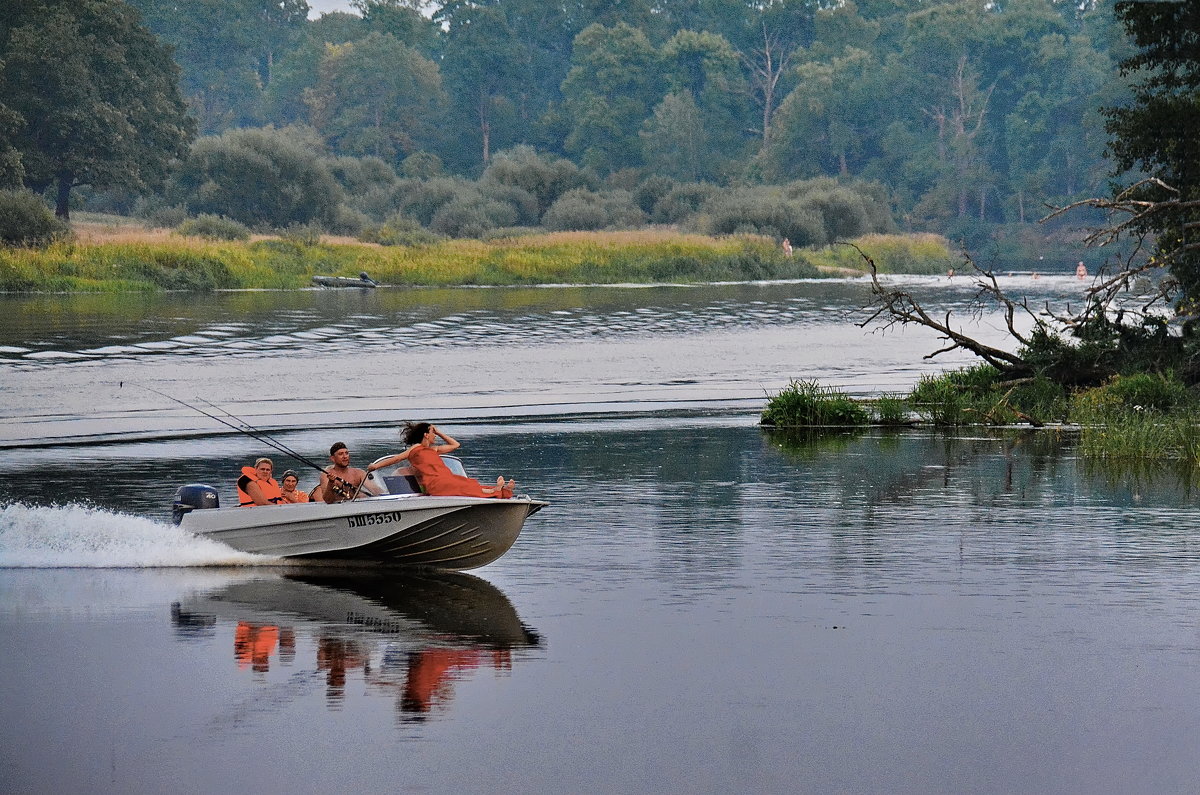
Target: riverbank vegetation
(165, 261)
(1127, 418)
(808, 121)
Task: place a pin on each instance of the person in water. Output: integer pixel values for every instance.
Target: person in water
(436, 479)
(288, 484)
(257, 487)
(339, 481)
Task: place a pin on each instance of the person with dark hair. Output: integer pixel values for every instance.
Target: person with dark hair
(339, 481)
(436, 479)
(288, 483)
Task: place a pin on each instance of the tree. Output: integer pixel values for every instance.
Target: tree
(608, 93)
(260, 177)
(1118, 330)
(674, 141)
(483, 65)
(705, 66)
(376, 96)
(1156, 135)
(99, 96)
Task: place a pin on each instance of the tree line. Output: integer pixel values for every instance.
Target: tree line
(969, 113)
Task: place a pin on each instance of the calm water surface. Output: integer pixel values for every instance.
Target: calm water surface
(703, 608)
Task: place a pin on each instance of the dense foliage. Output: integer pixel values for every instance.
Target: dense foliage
(1156, 134)
(971, 114)
(89, 97)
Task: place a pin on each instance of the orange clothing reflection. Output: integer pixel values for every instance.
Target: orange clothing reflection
(254, 643)
(432, 672)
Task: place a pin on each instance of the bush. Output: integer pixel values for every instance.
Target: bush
(1142, 392)
(421, 165)
(214, 227)
(25, 220)
(585, 210)
(765, 211)
(302, 234)
(521, 200)
(543, 176)
(399, 230)
(360, 174)
(652, 191)
(682, 202)
(472, 217)
(163, 216)
(422, 200)
(259, 177)
(808, 403)
(976, 395)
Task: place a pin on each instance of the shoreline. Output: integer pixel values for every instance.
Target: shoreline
(119, 258)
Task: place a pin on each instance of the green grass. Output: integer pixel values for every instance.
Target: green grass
(120, 257)
(1130, 419)
(290, 261)
(808, 404)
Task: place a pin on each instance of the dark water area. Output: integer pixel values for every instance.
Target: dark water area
(703, 607)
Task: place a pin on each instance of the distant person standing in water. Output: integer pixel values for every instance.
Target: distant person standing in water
(1081, 271)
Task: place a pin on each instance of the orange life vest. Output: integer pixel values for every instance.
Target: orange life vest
(270, 489)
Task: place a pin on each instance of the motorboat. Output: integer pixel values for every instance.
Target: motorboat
(389, 521)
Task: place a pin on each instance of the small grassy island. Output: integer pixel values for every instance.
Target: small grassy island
(1127, 418)
(111, 254)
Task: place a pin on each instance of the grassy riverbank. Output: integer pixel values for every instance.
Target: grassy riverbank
(1130, 418)
(115, 256)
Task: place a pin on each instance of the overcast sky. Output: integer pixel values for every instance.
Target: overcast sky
(318, 7)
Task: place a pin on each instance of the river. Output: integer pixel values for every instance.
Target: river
(704, 607)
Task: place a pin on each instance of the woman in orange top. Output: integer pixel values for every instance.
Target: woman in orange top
(288, 485)
(257, 487)
(436, 479)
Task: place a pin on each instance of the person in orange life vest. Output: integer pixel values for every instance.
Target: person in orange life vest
(288, 484)
(436, 479)
(257, 487)
(340, 481)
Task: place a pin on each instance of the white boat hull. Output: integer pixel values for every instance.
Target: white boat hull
(443, 532)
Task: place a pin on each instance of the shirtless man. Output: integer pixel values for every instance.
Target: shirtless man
(340, 481)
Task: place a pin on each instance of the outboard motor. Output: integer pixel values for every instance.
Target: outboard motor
(192, 496)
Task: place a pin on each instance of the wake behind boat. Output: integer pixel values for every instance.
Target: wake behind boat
(392, 524)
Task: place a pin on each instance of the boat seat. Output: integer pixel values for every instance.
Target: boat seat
(400, 480)
(401, 484)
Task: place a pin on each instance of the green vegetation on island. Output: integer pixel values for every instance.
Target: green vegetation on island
(128, 257)
(1127, 418)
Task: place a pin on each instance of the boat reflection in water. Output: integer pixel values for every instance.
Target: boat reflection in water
(411, 634)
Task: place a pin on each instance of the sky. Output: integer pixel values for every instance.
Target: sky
(318, 7)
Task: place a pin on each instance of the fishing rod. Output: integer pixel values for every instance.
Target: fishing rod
(336, 484)
(242, 426)
(255, 433)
